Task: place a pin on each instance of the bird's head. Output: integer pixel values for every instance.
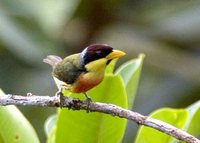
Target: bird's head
(97, 55)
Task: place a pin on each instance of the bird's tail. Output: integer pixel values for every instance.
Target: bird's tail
(52, 60)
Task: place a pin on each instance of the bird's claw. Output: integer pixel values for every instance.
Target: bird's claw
(88, 101)
(60, 95)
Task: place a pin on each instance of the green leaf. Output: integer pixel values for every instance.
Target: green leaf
(130, 73)
(175, 117)
(1, 139)
(110, 68)
(51, 137)
(50, 128)
(79, 126)
(185, 119)
(50, 124)
(192, 125)
(14, 127)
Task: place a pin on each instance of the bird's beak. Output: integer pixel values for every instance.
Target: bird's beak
(115, 54)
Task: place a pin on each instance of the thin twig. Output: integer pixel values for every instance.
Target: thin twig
(76, 104)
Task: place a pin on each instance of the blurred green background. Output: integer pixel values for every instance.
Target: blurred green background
(168, 32)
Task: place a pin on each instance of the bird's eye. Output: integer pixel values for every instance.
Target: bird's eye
(98, 52)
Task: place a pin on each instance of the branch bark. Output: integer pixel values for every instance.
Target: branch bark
(76, 104)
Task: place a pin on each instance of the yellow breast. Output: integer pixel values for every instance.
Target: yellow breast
(92, 78)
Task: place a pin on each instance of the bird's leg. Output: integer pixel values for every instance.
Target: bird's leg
(59, 93)
(88, 100)
(87, 97)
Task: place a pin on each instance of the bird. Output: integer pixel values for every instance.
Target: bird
(80, 72)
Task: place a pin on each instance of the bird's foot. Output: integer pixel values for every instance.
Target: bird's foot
(88, 101)
(60, 95)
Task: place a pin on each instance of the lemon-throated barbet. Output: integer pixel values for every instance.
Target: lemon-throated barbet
(80, 72)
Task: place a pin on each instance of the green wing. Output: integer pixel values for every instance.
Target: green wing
(69, 69)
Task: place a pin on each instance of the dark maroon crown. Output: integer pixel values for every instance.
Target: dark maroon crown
(95, 52)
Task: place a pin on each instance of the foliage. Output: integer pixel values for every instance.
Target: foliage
(130, 72)
(15, 128)
(186, 119)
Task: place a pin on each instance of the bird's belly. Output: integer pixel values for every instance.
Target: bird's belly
(61, 84)
(86, 82)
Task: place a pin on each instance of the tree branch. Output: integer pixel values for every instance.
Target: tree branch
(76, 104)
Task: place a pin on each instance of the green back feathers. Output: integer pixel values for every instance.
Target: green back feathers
(69, 69)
